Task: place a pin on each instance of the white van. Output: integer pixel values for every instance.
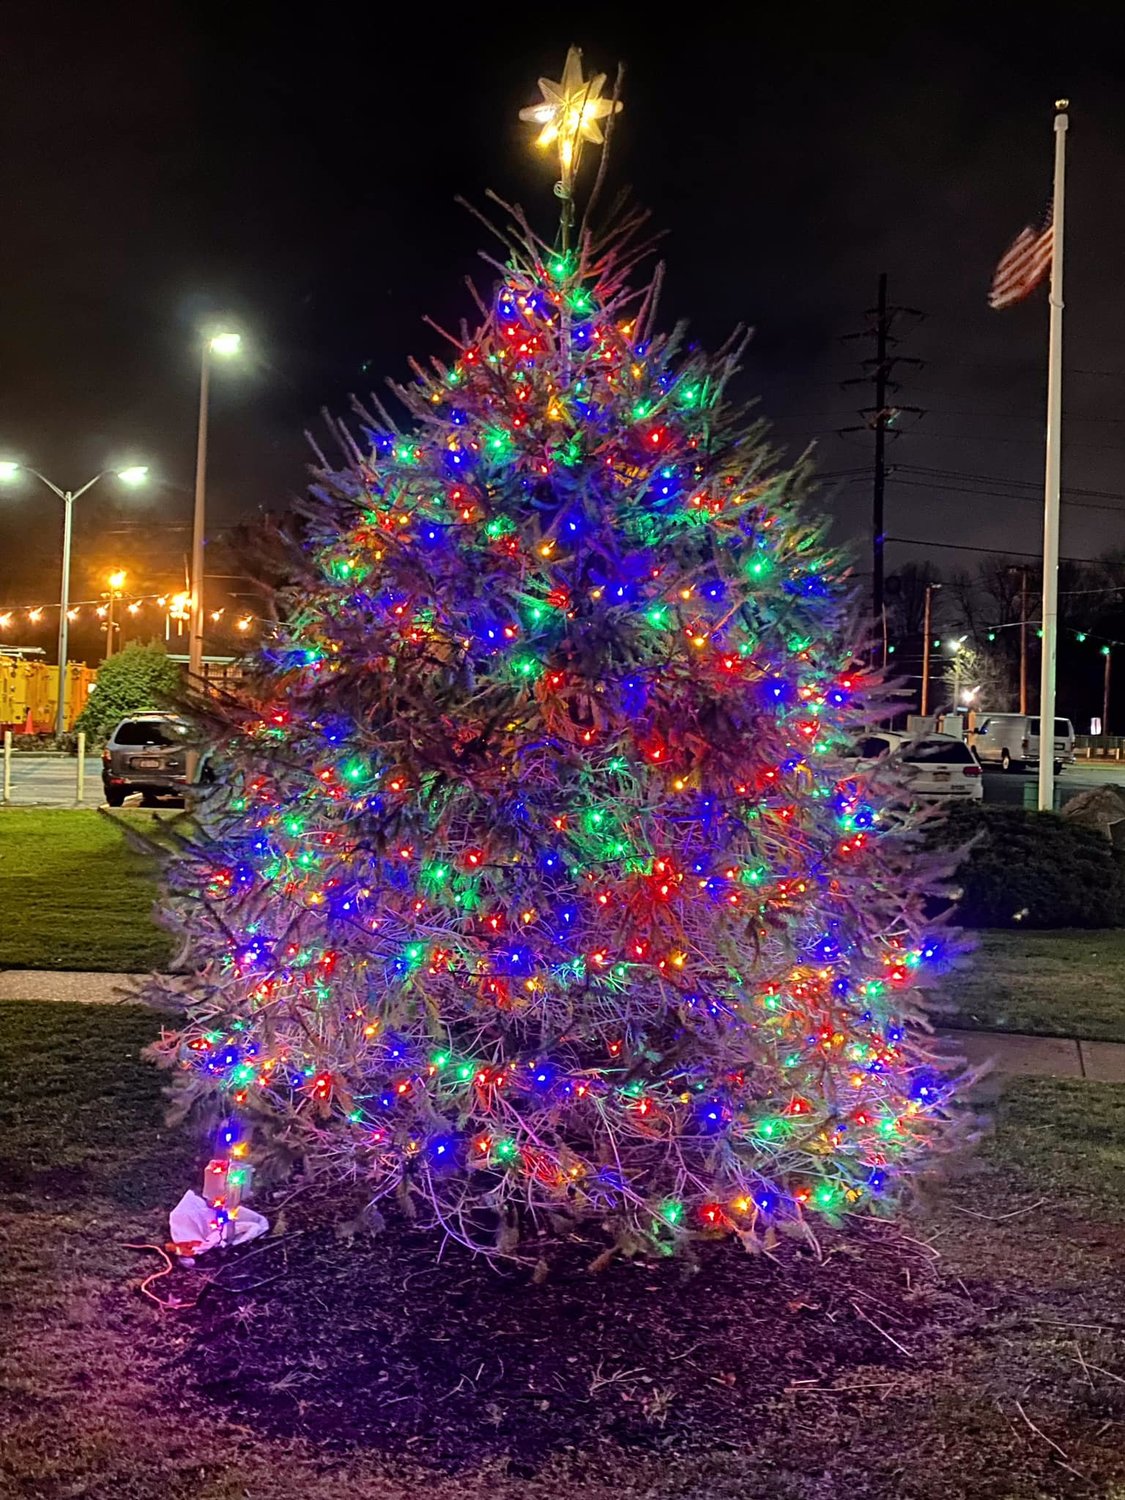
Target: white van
(1012, 741)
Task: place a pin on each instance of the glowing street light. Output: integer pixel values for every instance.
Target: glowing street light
(133, 475)
(176, 607)
(116, 581)
(222, 343)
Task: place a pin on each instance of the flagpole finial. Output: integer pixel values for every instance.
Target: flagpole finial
(1061, 104)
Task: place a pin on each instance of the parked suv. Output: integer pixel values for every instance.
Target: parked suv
(148, 753)
(937, 765)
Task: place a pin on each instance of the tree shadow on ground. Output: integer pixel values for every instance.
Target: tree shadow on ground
(455, 1361)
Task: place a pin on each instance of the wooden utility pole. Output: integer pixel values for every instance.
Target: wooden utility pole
(881, 418)
(1023, 640)
(878, 523)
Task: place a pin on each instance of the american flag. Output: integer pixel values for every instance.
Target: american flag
(1022, 266)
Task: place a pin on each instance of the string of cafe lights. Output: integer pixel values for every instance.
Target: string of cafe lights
(177, 607)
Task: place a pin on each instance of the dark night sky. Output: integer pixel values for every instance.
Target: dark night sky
(162, 161)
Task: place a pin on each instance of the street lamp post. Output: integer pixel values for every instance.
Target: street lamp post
(116, 581)
(955, 647)
(178, 609)
(135, 475)
(226, 345)
(927, 613)
(1107, 654)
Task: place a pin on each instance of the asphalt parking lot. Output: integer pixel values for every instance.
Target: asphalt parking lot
(51, 781)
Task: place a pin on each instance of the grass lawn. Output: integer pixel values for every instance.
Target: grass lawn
(1050, 983)
(74, 895)
(977, 1351)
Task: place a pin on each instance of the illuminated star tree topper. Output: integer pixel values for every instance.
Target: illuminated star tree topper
(570, 114)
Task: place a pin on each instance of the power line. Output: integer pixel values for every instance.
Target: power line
(1018, 442)
(994, 479)
(1024, 484)
(879, 371)
(951, 489)
(920, 541)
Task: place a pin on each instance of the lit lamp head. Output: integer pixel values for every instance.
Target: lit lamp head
(117, 578)
(134, 475)
(8, 471)
(225, 344)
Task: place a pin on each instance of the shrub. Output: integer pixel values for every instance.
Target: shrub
(138, 677)
(1032, 869)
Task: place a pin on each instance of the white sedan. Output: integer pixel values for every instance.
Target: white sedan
(937, 765)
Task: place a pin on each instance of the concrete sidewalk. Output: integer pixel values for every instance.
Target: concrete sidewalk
(1009, 1052)
(67, 984)
(1041, 1056)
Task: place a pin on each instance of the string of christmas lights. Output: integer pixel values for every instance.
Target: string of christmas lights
(534, 889)
(134, 605)
(1081, 636)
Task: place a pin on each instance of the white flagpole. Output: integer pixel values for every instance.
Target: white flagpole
(1051, 486)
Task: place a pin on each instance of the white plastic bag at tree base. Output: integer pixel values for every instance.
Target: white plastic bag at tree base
(193, 1230)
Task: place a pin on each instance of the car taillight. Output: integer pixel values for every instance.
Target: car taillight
(1024, 742)
(105, 757)
(970, 770)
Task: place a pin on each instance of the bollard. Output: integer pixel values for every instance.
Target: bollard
(80, 796)
(7, 765)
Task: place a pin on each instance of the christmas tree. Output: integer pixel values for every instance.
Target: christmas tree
(536, 892)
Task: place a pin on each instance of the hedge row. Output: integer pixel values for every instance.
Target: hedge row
(1032, 869)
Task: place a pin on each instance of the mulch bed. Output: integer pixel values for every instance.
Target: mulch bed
(454, 1361)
